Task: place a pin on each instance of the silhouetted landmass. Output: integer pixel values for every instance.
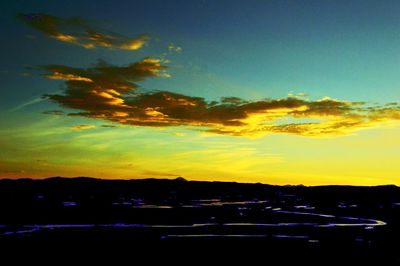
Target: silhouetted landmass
(360, 224)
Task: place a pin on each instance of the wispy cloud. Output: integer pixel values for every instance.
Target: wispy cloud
(54, 112)
(83, 127)
(158, 174)
(111, 93)
(26, 104)
(174, 48)
(80, 32)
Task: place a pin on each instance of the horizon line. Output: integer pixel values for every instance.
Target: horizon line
(181, 178)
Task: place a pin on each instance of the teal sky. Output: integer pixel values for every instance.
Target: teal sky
(344, 50)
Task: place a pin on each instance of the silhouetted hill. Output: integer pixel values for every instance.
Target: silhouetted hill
(181, 189)
(342, 222)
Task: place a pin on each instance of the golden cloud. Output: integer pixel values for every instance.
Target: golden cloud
(111, 93)
(80, 32)
(82, 127)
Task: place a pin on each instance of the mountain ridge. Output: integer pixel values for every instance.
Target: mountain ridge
(182, 179)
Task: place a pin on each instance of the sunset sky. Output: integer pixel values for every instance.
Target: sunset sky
(278, 92)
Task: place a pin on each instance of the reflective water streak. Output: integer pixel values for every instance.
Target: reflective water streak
(362, 221)
(353, 221)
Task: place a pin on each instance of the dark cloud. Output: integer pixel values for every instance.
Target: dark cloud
(100, 88)
(111, 93)
(80, 32)
(54, 112)
(158, 174)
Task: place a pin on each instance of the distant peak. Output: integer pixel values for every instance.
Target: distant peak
(179, 178)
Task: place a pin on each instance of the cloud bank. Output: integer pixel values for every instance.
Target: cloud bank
(111, 93)
(80, 32)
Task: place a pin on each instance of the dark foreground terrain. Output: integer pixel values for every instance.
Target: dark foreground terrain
(281, 223)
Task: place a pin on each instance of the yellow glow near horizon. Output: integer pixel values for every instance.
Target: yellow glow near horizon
(52, 149)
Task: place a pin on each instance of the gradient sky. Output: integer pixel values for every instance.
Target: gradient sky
(279, 92)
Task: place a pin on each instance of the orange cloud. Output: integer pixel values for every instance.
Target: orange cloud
(110, 93)
(79, 32)
(57, 75)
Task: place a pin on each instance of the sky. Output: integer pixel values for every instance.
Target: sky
(277, 92)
